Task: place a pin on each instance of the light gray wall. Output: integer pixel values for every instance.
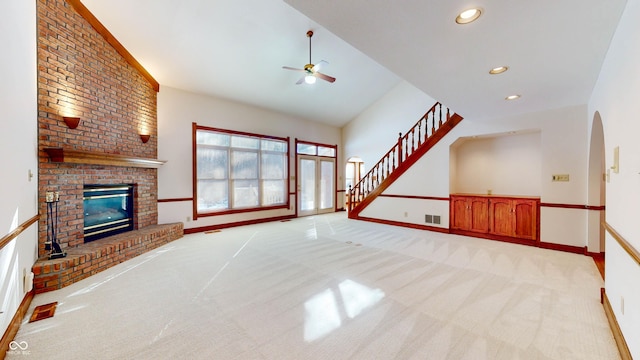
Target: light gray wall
(615, 98)
(559, 147)
(178, 109)
(18, 142)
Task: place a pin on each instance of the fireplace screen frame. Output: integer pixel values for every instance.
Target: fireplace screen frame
(118, 198)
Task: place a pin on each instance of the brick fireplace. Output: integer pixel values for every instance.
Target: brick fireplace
(81, 74)
(84, 73)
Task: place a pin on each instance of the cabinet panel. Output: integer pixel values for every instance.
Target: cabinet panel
(501, 217)
(525, 219)
(459, 216)
(479, 214)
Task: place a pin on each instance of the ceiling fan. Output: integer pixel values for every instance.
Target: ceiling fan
(311, 70)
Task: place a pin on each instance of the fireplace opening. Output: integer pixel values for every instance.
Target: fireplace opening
(108, 210)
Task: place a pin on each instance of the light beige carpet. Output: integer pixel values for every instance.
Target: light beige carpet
(326, 287)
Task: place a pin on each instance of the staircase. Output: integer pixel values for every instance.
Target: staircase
(432, 127)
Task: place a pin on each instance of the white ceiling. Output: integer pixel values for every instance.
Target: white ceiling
(235, 49)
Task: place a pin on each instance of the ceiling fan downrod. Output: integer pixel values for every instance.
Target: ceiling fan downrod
(309, 35)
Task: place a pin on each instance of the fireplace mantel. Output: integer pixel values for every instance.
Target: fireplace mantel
(62, 155)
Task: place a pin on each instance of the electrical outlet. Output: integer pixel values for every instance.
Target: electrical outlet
(406, 214)
(560, 177)
(188, 218)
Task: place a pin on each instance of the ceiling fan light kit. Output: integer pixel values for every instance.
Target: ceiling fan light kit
(311, 70)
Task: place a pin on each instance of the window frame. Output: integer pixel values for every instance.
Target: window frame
(229, 210)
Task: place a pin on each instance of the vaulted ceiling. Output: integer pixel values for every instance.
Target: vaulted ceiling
(236, 49)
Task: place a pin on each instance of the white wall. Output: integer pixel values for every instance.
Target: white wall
(18, 138)
(558, 148)
(178, 109)
(372, 133)
(615, 97)
(498, 164)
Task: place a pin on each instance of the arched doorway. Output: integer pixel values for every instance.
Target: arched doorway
(596, 187)
(354, 170)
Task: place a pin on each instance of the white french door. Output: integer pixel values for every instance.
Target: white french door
(316, 185)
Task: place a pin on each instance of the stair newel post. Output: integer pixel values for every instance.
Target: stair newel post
(350, 199)
(399, 149)
(440, 116)
(448, 115)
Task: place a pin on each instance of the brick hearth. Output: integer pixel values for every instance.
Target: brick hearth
(96, 256)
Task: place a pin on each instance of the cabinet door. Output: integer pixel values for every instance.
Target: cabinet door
(460, 217)
(479, 211)
(501, 219)
(525, 212)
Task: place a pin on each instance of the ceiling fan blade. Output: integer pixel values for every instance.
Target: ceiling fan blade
(300, 81)
(319, 65)
(294, 69)
(325, 77)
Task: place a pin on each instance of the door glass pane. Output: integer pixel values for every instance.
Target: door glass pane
(306, 149)
(245, 193)
(307, 185)
(326, 151)
(326, 184)
(212, 195)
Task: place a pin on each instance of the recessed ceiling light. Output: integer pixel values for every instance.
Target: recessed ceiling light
(498, 70)
(468, 15)
(512, 97)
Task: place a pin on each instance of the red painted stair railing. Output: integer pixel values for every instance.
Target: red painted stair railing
(432, 127)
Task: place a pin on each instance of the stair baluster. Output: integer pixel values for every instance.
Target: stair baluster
(400, 152)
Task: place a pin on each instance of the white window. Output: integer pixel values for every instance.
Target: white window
(239, 171)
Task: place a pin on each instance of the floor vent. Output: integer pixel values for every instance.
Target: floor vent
(43, 312)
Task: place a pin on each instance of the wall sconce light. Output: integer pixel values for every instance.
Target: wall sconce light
(72, 122)
(145, 137)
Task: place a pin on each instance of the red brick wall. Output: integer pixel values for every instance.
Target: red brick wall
(80, 74)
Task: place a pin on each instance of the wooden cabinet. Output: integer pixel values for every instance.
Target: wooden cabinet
(495, 216)
(470, 213)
